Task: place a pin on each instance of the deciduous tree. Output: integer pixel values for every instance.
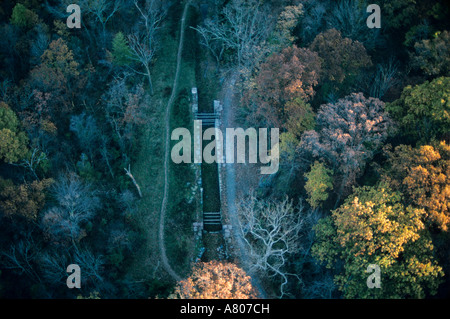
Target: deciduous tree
(282, 35)
(422, 174)
(300, 117)
(289, 76)
(403, 14)
(13, 142)
(319, 183)
(59, 76)
(431, 55)
(215, 280)
(423, 111)
(23, 17)
(342, 57)
(348, 134)
(373, 227)
(25, 200)
(271, 231)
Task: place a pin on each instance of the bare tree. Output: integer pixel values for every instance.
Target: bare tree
(5, 87)
(128, 172)
(106, 156)
(321, 288)
(384, 79)
(21, 257)
(76, 196)
(77, 203)
(32, 162)
(243, 27)
(87, 131)
(312, 21)
(53, 266)
(128, 201)
(124, 108)
(62, 227)
(143, 41)
(40, 43)
(271, 232)
(91, 264)
(102, 10)
(349, 17)
(217, 48)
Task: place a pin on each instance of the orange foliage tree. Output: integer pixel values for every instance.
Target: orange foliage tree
(215, 280)
(423, 175)
(58, 76)
(286, 76)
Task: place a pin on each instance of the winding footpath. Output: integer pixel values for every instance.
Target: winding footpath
(163, 211)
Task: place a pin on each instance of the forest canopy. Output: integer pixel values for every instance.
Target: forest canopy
(86, 178)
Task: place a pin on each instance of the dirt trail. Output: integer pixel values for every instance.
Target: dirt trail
(230, 182)
(162, 216)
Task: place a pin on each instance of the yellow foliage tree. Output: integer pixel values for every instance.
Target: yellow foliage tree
(423, 175)
(373, 227)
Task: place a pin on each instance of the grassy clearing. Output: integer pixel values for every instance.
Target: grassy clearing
(148, 168)
(180, 242)
(149, 171)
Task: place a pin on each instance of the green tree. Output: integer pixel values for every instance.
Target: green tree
(300, 117)
(431, 55)
(423, 111)
(13, 142)
(319, 183)
(23, 17)
(282, 36)
(374, 227)
(342, 57)
(403, 14)
(121, 52)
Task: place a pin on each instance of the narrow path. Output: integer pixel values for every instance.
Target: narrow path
(230, 180)
(162, 216)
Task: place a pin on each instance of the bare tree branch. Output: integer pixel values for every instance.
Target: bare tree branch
(128, 172)
(271, 231)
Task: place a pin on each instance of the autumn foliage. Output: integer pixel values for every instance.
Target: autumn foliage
(348, 134)
(216, 280)
(422, 174)
(291, 74)
(374, 227)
